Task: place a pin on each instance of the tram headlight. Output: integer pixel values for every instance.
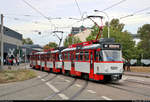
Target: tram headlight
(121, 70)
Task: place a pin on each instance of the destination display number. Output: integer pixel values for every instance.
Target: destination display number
(112, 46)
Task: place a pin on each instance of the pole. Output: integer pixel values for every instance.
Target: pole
(108, 21)
(1, 31)
(25, 57)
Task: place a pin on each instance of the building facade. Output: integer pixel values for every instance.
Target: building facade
(12, 42)
(81, 32)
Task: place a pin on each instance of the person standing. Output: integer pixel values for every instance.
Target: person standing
(14, 61)
(128, 65)
(124, 62)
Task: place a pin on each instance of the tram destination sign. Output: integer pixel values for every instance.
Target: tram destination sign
(111, 46)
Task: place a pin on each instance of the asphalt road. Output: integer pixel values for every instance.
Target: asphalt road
(50, 86)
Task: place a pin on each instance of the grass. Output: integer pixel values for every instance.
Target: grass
(140, 69)
(16, 75)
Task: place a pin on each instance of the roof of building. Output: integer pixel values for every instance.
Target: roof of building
(12, 33)
(32, 46)
(76, 30)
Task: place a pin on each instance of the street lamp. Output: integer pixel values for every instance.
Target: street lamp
(126, 16)
(108, 21)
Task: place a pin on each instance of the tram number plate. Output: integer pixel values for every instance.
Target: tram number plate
(114, 68)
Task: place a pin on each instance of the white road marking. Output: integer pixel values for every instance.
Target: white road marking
(56, 90)
(106, 98)
(52, 87)
(43, 79)
(77, 85)
(63, 96)
(91, 91)
(123, 79)
(61, 78)
(39, 76)
(67, 80)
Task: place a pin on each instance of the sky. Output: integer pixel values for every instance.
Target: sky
(24, 19)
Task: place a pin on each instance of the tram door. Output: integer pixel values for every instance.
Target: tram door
(72, 59)
(91, 57)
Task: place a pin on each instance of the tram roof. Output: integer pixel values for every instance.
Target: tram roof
(93, 46)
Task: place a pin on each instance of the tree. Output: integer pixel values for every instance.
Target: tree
(71, 40)
(144, 34)
(50, 45)
(27, 41)
(122, 37)
(115, 24)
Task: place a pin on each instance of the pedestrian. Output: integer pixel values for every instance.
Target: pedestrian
(14, 61)
(128, 65)
(17, 60)
(9, 61)
(124, 64)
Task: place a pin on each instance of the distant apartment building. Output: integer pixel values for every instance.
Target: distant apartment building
(12, 41)
(81, 32)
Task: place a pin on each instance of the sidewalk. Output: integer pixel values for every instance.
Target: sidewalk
(16, 67)
(139, 74)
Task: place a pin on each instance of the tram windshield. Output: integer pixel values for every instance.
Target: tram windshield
(112, 55)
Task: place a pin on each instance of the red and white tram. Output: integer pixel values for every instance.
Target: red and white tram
(101, 60)
(94, 60)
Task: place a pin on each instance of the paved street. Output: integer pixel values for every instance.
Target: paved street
(50, 86)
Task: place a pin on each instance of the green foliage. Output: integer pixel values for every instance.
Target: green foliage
(144, 45)
(123, 37)
(50, 45)
(27, 41)
(116, 25)
(71, 40)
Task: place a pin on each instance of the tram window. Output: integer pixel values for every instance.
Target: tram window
(62, 56)
(57, 57)
(81, 55)
(68, 56)
(54, 57)
(77, 56)
(50, 57)
(65, 57)
(47, 57)
(41, 58)
(86, 56)
(98, 56)
(72, 56)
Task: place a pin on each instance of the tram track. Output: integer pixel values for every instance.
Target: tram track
(134, 81)
(62, 90)
(22, 89)
(79, 91)
(114, 85)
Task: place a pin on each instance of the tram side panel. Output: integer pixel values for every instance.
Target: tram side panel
(67, 65)
(82, 67)
(108, 68)
(49, 64)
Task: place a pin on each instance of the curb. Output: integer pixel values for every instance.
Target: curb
(146, 76)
